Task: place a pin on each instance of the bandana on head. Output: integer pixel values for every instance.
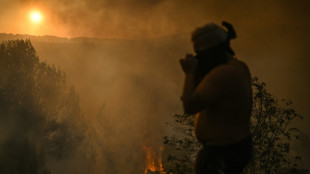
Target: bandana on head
(211, 43)
(211, 35)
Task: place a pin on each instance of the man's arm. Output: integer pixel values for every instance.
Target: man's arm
(189, 65)
(213, 87)
(190, 105)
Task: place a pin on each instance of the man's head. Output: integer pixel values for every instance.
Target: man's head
(208, 36)
(212, 46)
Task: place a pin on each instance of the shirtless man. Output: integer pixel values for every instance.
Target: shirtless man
(218, 90)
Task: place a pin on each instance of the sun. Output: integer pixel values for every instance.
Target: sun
(36, 16)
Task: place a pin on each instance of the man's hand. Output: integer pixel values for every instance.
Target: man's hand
(189, 64)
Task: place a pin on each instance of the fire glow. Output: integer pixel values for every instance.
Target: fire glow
(153, 161)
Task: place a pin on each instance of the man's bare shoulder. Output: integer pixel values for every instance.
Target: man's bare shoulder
(223, 72)
(230, 75)
(232, 69)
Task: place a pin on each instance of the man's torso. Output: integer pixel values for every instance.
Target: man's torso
(228, 120)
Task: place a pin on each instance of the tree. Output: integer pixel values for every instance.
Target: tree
(272, 132)
(40, 117)
(272, 137)
(19, 118)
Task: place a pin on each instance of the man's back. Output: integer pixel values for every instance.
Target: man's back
(226, 119)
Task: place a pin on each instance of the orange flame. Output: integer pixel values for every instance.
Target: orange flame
(153, 161)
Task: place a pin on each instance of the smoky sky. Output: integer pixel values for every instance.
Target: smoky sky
(144, 19)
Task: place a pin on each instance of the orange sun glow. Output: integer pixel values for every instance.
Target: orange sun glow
(36, 16)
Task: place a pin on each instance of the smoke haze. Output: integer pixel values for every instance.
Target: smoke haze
(145, 19)
(133, 71)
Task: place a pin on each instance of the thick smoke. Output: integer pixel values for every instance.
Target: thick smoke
(269, 32)
(139, 81)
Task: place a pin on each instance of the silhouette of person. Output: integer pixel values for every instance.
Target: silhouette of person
(217, 89)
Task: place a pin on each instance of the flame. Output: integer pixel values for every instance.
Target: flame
(153, 161)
